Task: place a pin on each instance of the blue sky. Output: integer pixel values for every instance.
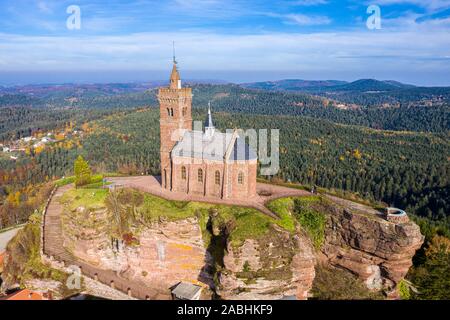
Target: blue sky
(233, 40)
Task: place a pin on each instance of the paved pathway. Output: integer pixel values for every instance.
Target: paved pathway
(355, 206)
(6, 236)
(266, 193)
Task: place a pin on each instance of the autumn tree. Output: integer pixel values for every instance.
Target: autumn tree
(82, 172)
(432, 278)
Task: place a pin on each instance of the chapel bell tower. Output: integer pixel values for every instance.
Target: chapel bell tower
(175, 107)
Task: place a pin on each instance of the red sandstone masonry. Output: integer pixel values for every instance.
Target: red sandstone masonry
(175, 107)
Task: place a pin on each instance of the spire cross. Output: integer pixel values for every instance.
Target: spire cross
(174, 60)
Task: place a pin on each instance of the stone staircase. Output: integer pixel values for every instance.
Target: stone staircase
(53, 239)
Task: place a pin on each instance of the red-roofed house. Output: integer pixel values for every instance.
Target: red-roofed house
(24, 294)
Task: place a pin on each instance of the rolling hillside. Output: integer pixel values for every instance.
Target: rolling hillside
(362, 85)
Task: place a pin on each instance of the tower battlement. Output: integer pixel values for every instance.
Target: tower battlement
(175, 117)
(185, 90)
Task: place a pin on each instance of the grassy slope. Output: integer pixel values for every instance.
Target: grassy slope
(26, 263)
(303, 211)
(247, 222)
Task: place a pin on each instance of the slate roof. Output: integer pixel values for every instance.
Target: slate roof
(212, 145)
(186, 291)
(209, 122)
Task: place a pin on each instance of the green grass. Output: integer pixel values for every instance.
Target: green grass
(247, 223)
(65, 181)
(96, 185)
(344, 194)
(312, 220)
(154, 207)
(283, 208)
(88, 198)
(96, 178)
(298, 210)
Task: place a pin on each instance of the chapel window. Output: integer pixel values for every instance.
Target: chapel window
(240, 178)
(217, 177)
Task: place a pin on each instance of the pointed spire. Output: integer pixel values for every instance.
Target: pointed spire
(175, 80)
(209, 122)
(209, 125)
(174, 59)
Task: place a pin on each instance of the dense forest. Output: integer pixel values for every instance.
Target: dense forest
(18, 122)
(364, 92)
(407, 170)
(319, 144)
(410, 114)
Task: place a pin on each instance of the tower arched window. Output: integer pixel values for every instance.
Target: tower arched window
(183, 173)
(168, 112)
(241, 178)
(171, 112)
(183, 111)
(200, 175)
(217, 177)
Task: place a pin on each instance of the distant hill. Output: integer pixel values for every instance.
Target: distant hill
(362, 85)
(55, 91)
(416, 109)
(362, 93)
(293, 84)
(370, 85)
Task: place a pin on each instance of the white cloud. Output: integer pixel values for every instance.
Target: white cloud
(308, 3)
(430, 4)
(306, 20)
(44, 7)
(363, 50)
(300, 19)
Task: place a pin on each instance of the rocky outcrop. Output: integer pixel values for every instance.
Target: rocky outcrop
(161, 255)
(377, 251)
(276, 265)
(271, 266)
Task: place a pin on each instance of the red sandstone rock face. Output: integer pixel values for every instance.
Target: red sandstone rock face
(168, 252)
(277, 265)
(378, 251)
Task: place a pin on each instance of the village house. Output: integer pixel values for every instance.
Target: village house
(24, 294)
